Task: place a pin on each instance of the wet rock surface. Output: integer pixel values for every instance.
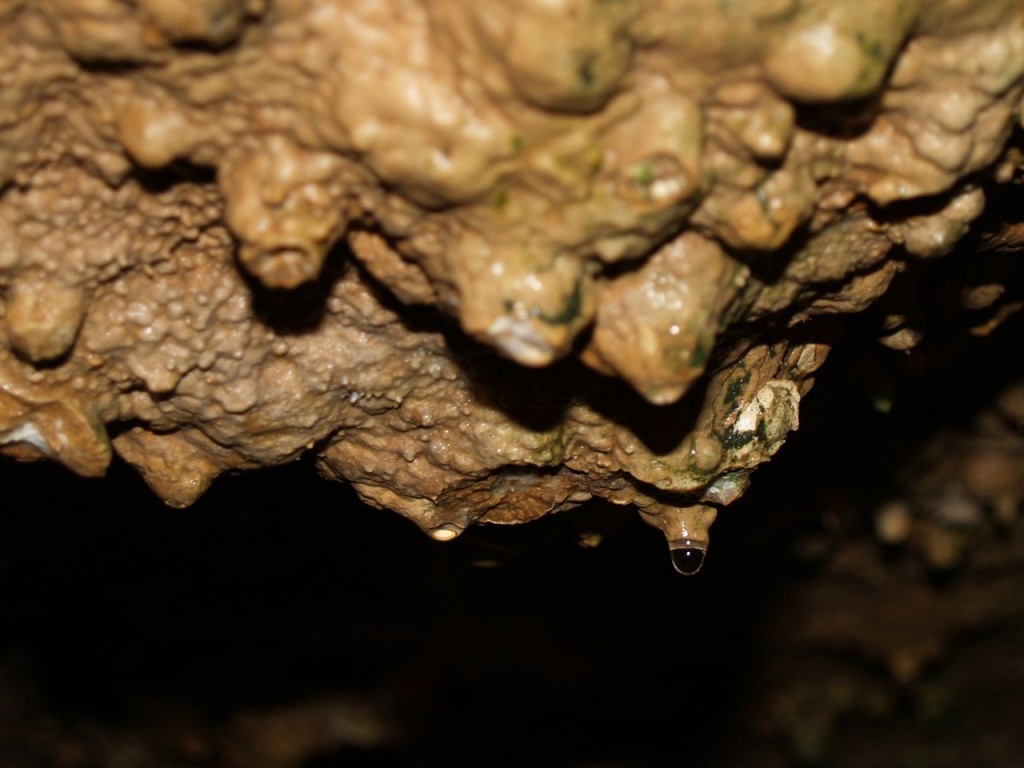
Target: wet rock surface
(246, 232)
(485, 262)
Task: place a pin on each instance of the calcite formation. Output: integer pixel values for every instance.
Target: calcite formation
(484, 261)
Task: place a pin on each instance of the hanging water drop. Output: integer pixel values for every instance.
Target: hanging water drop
(686, 529)
(445, 532)
(688, 559)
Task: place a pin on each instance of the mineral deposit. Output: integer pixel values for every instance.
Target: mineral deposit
(483, 261)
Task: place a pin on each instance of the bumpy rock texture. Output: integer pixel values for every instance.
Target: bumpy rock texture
(231, 232)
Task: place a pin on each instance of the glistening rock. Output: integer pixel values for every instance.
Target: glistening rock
(246, 230)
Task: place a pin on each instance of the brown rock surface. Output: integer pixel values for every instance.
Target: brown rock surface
(230, 233)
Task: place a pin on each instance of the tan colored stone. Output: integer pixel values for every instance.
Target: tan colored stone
(215, 218)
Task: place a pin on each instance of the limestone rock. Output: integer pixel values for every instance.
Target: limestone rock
(240, 232)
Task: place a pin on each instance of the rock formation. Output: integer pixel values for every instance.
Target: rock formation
(484, 261)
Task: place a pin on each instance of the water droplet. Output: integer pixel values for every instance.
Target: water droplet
(688, 560)
(445, 532)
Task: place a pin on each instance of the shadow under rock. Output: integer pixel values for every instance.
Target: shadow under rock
(277, 587)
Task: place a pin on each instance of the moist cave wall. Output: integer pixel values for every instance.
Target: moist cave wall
(530, 275)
